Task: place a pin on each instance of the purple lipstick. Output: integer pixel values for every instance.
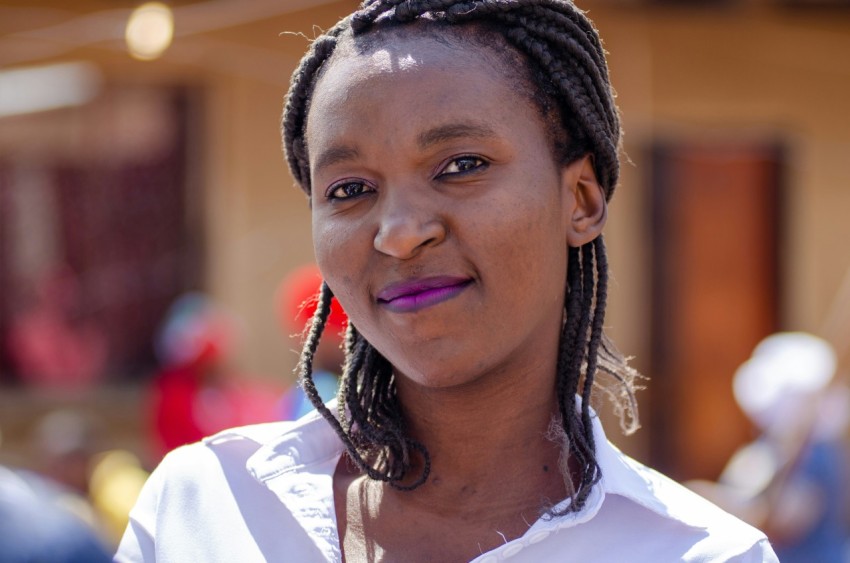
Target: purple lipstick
(414, 295)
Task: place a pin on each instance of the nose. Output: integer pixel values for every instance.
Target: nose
(407, 225)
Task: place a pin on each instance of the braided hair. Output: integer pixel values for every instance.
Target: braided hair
(566, 68)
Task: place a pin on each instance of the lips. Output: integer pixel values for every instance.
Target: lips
(414, 295)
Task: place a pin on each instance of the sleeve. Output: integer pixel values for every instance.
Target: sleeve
(138, 543)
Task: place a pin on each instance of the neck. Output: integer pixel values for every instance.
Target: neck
(488, 443)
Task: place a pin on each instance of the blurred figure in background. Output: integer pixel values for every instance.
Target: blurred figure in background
(96, 485)
(45, 515)
(65, 440)
(197, 392)
(49, 343)
(35, 528)
(296, 299)
(792, 481)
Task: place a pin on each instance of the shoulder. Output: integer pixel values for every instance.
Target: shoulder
(211, 500)
(193, 461)
(664, 512)
(247, 452)
(203, 474)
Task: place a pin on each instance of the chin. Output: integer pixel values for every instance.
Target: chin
(435, 375)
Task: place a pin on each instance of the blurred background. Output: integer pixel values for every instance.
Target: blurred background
(142, 188)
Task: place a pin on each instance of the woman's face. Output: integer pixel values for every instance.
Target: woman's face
(439, 215)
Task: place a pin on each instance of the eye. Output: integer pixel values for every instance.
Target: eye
(348, 189)
(463, 164)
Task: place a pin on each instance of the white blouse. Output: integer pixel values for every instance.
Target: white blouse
(264, 493)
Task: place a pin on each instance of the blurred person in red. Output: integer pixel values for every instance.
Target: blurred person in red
(197, 392)
(296, 301)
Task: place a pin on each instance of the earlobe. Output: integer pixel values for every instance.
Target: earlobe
(585, 208)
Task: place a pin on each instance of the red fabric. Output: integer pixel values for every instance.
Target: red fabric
(188, 407)
(297, 299)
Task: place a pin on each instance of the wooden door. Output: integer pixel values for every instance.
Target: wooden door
(716, 223)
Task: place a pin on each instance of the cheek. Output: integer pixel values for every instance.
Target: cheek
(526, 219)
(535, 253)
(329, 245)
(525, 236)
(341, 253)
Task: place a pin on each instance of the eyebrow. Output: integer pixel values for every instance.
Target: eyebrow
(335, 155)
(452, 132)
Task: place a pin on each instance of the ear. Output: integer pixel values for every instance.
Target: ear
(585, 208)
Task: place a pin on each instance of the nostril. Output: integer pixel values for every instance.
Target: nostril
(406, 237)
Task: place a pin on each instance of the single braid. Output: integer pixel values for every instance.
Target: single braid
(596, 327)
(369, 12)
(577, 429)
(567, 381)
(568, 69)
(317, 326)
(355, 438)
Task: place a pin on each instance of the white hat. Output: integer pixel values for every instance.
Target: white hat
(784, 369)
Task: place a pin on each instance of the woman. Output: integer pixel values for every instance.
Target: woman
(458, 157)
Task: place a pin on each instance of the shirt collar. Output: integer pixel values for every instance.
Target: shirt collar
(623, 476)
(311, 445)
(298, 467)
(308, 441)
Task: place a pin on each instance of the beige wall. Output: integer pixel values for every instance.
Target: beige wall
(748, 73)
(751, 73)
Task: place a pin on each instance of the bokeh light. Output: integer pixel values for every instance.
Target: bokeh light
(150, 30)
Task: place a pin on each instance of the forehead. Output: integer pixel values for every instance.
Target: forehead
(421, 77)
(407, 49)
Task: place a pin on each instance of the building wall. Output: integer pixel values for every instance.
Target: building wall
(752, 73)
(749, 73)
